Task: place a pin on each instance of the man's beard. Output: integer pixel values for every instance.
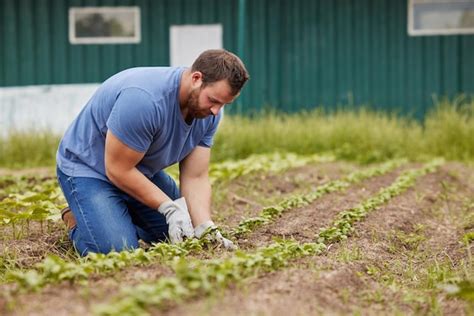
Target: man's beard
(194, 111)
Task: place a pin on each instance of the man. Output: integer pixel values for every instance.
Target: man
(110, 161)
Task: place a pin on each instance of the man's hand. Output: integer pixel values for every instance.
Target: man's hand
(177, 217)
(210, 231)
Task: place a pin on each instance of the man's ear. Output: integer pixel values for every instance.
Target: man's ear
(196, 78)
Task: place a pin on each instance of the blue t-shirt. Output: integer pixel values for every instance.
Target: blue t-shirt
(140, 106)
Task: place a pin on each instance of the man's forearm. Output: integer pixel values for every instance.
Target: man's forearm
(197, 192)
(139, 187)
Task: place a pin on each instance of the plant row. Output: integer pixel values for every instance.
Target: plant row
(197, 277)
(38, 199)
(268, 214)
(275, 162)
(344, 223)
(54, 269)
(38, 202)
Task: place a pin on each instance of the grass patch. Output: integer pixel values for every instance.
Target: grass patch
(360, 135)
(28, 149)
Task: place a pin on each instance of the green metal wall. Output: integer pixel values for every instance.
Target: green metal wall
(36, 48)
(300, 53)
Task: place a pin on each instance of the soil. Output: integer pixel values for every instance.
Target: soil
(383, 268)
(245, 197)
(303, 223)
(324, 285)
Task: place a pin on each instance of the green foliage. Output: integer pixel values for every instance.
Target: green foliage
(409, 241)
(449, 130)
(463, 289)
(270, 162)
(54, 269)
(194, 277)
(30, 199)
(28, 149)
(468, 237)
(358, 135)
(24, 207)
(24, 199)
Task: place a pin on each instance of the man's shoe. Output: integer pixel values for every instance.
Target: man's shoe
(68, 218)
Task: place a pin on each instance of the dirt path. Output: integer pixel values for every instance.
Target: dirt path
(303, 223)
(245, 197)
(385, 269)
(380, 270)
(67, 299)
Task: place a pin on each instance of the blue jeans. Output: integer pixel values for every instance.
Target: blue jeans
(109, 219)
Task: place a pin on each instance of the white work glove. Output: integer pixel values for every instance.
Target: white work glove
(177, 217)
(210, 231)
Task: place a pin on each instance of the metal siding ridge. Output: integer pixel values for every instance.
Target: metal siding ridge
(76, 54)
(432, 68)
(25, 43)
(126, 54)
(159, 28)
(327, 53)
(295, 101)
(60, 41)
(43, 47)
(11, 44)
(274, 73)
(108, 53)
(91, 53)
(467, 64)
(3, 42)
(142, 49)
(397, 35)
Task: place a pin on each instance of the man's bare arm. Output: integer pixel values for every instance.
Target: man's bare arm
(195, 185)
(120, 167)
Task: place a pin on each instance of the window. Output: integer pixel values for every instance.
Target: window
(104, 25)
(440, 17)
(188, 41)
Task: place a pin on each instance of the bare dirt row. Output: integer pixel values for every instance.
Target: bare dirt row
(424, 223)
(390, 266)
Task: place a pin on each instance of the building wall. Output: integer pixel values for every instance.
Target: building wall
(300, 53)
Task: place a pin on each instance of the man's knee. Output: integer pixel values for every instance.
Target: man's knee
(113, 242)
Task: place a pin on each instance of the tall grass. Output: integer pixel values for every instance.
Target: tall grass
(361, 135)
(28, 149)
(449, 131)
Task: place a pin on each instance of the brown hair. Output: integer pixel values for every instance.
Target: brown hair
(219, 64)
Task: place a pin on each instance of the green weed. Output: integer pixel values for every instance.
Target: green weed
(358, 135)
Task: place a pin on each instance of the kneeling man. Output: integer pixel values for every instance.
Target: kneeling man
(110, 161)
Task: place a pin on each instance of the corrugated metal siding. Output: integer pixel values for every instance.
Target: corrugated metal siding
(36, 50)
(300, 53)
(351, 52)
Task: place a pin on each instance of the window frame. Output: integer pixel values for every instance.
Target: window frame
(427, 32)
(73, 39)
